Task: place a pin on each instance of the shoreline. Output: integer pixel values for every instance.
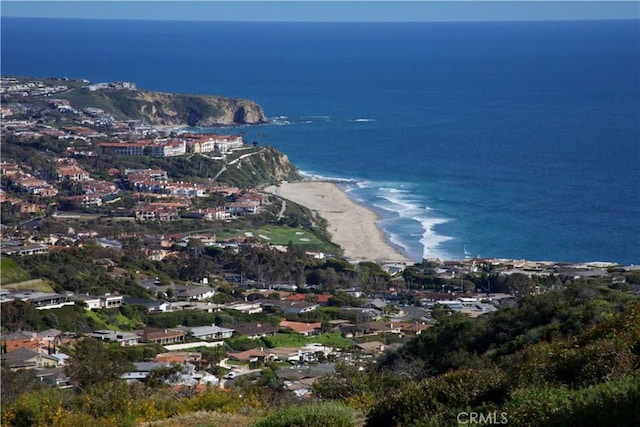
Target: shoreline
(352, 226)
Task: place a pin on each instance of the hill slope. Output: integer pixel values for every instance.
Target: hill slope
(159, 108)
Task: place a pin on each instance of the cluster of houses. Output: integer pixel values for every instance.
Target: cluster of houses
(170, 147)
(39, 351)
(153, 183)
(11, 85)
(110, 85)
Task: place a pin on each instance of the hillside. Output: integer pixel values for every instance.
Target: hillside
(124, 102)
(171, 109)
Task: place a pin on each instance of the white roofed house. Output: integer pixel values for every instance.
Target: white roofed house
(90, 302)
(212, 332)
(111, 301)
(195, 293)
(123, 338)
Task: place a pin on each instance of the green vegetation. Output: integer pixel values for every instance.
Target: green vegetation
(31, 285)
(334, 339)
(561, 356)
(11, 272)
(310, 240)
(316, 415)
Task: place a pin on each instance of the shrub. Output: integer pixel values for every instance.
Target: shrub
(309, 415)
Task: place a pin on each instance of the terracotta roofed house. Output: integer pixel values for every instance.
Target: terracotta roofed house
(302, 328)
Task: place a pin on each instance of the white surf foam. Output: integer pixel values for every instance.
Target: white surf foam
(401, 202)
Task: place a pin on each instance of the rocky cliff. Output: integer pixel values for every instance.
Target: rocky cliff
(185, 110)
(265, 166)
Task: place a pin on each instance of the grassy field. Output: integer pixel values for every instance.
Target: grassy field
(11, 272)
(333, 339)
(276, 235)
(205, 419)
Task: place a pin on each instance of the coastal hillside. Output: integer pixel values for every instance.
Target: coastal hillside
(183, 110)
(124, 101)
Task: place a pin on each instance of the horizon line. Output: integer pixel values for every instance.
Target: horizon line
(302, 21)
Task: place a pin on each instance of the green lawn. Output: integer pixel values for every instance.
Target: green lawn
(11, 272)
(282, 235)
(333, 339)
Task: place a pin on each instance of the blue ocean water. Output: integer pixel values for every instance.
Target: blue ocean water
(512, 140)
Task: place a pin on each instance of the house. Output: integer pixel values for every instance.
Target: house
(123, 338)
(92, 302)
(179, 357)
(15, 340)
(182, 292)
(212, 332)
(142, 370)
(411, 328)
(308, 353)
(381, 328)
(54, 377)
(24, 250)
(292, 307)
(372, 347)
(151, 305)
(162, 336)
(256, 330)
(302, 328)
(246, 307)
(24, 358)
(149, 212)
(253, 355)
(42, 300)
(195, 293)
(322, 299)
(111, 301)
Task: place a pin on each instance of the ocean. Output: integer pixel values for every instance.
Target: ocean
(496, 139)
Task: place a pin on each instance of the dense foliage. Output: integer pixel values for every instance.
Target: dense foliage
(567, 357)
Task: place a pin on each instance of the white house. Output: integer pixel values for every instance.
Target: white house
(212, 332)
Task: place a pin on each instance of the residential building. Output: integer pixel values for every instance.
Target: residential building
(122, 338)
(256, 330)
(306, 329)
(162, 336)
(212, 332)
(24, 358)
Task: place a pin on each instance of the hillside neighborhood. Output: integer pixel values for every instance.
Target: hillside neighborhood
(159, 244)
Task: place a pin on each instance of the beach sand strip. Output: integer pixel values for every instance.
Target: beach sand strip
(350, 225)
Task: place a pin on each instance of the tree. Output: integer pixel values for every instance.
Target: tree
(519, 284)
(16, 383)
(213, 355)
(93, 364)
(195, 246)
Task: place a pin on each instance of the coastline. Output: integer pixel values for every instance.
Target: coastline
(351, 226)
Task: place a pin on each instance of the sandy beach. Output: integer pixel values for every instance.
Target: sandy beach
(351, 226)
